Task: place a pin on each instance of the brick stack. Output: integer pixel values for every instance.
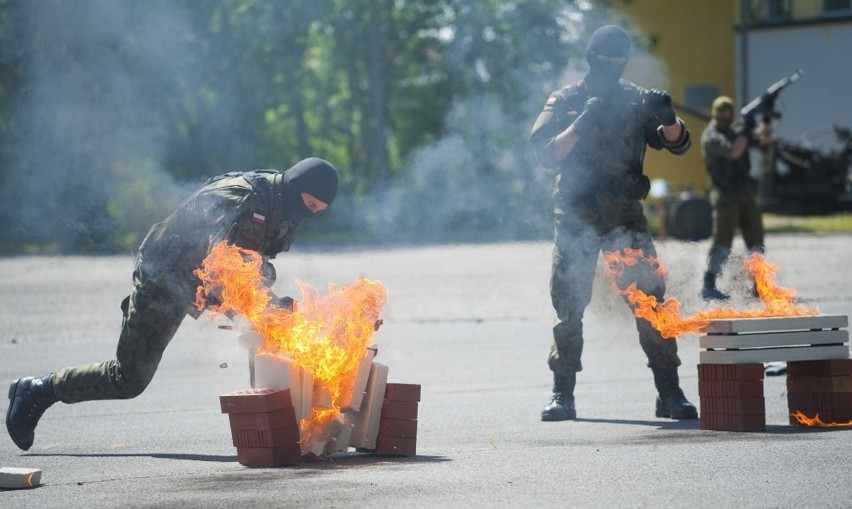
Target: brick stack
(263, 427)
(731, 397)
(398, 424)
(821, 388)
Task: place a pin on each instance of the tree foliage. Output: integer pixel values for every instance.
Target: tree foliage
(112, 110)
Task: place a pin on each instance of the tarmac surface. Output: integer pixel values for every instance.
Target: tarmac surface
(472, 325)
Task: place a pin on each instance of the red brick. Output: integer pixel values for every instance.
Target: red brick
(736, 389)
(252, 438)
(732, 422)
(842, 415)
(398, 428)
(264, 420)
(829, 384)
(730, 372)
(819, 400)
(255, 401)
(396, 446)
(747, 406)
(399, 410)
(830, 367)
(269, 456)
(402, 392)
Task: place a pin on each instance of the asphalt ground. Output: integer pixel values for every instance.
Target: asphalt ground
(472, 325)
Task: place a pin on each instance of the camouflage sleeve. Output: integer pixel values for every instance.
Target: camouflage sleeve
(715, 145)
(552, 120)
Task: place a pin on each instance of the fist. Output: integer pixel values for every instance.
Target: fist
(660, 104)
(590, 118)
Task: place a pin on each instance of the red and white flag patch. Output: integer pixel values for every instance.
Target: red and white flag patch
(258, 218)
(550, 101)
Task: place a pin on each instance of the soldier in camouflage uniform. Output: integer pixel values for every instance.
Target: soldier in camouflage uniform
(595, 133)
(257, 210)
(724, 147)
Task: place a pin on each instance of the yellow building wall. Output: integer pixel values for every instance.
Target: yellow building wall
(695, 40)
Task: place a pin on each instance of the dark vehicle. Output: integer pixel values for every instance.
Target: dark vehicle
(799, 180)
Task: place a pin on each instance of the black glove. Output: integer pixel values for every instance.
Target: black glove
(660, 104)
(287, 303)
(749, 124)
(589, 120)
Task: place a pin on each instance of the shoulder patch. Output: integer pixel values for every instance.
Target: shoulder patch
(550, 101)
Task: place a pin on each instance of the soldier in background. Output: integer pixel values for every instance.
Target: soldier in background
(724, 148)
(595, 133)
(257, 210)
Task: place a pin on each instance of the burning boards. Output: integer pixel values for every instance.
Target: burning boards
(795, 338)
(293, 410)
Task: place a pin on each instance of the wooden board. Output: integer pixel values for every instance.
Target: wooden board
(770, 339)
(802, 353)
(19, 478)
(789, 323)
(368, 418)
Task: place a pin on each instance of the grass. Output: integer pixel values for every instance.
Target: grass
(837, 223)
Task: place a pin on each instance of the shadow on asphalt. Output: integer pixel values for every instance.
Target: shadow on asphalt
(192, 457)
(684, 424)
(341, 460)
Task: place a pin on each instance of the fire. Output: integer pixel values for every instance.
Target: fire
(325, 335)
(816, 421)
(666, 316)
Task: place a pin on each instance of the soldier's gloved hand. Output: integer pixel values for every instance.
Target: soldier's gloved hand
(589, 120)
(660, 104)
(749, 123)
(286, 303)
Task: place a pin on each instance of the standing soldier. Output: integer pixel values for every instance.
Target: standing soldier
(256, 210)
(724, 147)
(595, 132)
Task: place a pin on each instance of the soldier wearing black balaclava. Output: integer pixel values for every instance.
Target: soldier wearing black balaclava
(259, 210)
(595, 133)
(733, 193)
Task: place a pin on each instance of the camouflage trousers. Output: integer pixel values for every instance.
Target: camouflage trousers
(152, 314)
(575, 256)
(732, 211)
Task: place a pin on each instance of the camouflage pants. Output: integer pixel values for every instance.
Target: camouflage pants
(732, 211)
(152, 314)
(575, 257)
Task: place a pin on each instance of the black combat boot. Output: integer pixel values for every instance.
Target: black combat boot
(671, 401)
(709, 291)
(28, 399)
(561, 405)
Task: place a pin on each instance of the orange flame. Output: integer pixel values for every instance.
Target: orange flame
(666, 316)
(325, 335)
(815, 421)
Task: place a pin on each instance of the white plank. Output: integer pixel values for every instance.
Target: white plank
(307, 390)
(770, 339)
(12, 478)
(277, 372)
(352, 390)
(341, 442)
(367, 420)
(801, 353)
(734, 325)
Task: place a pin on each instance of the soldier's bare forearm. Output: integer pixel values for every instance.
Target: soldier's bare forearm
(673, 132)
(564, 143)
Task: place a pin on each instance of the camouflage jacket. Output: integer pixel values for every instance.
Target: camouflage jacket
(245, 208)
(610, 161)
(726, 175)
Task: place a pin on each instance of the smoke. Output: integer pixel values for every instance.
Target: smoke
(103, 82)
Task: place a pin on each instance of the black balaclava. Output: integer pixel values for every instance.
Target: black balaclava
(610, 41)
(314, 176)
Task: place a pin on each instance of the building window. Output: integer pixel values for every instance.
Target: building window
(776, 10)
(836, 6)
(700, 97)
